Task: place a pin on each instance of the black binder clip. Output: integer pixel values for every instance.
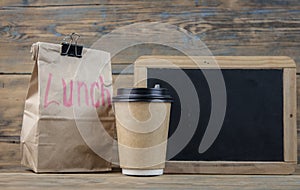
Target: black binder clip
(71, 48)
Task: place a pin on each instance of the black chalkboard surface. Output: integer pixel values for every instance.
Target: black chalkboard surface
(252, 128)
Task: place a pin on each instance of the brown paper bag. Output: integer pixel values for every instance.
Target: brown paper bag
(68, 123)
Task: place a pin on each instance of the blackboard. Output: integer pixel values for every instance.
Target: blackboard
(253, 124)
(259, 132)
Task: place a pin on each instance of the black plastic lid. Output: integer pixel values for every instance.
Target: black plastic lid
(142, 95)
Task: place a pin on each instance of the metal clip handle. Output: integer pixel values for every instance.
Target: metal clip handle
(71, 48)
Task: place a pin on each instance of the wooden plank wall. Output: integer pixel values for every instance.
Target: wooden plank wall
(228, 27)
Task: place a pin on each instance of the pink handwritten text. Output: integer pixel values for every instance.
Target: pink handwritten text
(95, 94)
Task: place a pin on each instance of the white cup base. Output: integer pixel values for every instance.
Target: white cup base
(142, 172)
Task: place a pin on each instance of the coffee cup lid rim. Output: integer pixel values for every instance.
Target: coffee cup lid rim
(142, 95)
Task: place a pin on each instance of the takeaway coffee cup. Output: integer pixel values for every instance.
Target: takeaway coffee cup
(142, 119)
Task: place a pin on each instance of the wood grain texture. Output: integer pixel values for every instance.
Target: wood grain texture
(234, 4)
(13, 89)
(208, 62)
(227, 27)
(219, 167)
(9, 154)
(17, 177)
(289, 115)
(28, 180)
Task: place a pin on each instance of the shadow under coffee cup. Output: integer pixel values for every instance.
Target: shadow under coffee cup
(142, 119)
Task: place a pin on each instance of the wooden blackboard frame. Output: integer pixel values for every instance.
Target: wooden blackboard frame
(235, 62)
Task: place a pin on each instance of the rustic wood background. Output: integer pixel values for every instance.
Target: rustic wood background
(228, 27)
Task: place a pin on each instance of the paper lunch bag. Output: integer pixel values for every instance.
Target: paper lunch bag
(68, 122)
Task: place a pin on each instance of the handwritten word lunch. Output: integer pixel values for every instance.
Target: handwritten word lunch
(89, 91)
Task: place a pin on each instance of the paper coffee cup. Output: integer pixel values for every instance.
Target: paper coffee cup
(142, 119)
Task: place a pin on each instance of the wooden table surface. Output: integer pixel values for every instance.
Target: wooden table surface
(16, 177)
